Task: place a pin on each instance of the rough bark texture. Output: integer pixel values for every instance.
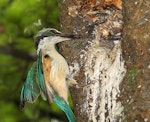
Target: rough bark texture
(95, 60)
(136, 51)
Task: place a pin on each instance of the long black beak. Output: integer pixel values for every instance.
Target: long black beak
(69, 36)
(55, 32)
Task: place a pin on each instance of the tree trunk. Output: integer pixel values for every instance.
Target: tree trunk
(135, 89)
(95, 61)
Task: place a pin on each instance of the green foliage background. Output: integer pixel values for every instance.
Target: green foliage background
(19, 22)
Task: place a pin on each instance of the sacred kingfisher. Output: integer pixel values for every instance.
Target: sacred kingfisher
(49, 75)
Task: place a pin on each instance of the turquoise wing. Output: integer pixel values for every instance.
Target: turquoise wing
(64, 107)
(60, 102)
(30, 90)
(40, 77)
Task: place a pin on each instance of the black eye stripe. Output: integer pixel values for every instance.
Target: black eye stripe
(38, 39)
(55, 32)
(47, 32)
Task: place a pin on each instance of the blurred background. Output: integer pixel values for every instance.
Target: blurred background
(19, 22)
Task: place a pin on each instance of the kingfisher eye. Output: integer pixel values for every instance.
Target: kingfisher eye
(46, 56)
(55, 32)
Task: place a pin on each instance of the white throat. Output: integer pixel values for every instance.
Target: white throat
(50, 42)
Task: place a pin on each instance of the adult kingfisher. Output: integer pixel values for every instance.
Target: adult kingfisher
(49, 75)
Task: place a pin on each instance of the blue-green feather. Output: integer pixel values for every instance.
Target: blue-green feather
(35, 85)
(40, 76)
(30, 90)
(64, 107)
(59, 101)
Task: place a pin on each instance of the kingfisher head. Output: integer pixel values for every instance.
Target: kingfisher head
(51, 36)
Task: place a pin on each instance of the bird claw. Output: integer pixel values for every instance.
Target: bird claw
(71, 82)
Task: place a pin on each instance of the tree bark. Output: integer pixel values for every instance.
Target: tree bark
(135, 89)
(95, 59)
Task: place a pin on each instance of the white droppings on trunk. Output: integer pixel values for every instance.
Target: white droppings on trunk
(74, 69)
(104, 71)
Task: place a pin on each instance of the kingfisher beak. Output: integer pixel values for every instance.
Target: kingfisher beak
(57, 36)
(69, 36)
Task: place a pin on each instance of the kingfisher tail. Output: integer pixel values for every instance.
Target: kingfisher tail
(64, 107)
